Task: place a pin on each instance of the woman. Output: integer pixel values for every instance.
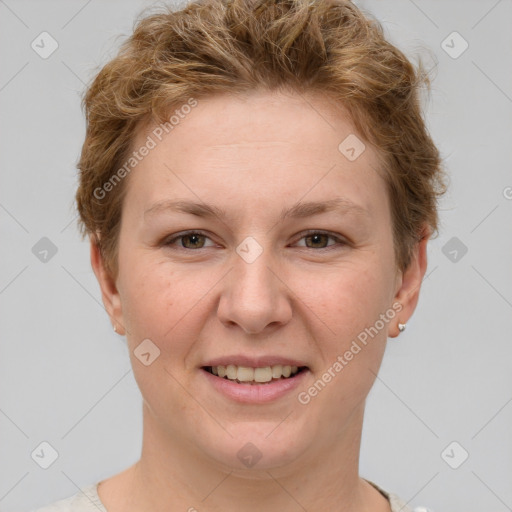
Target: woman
(259, 188)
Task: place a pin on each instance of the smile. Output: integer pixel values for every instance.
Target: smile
(255, 385)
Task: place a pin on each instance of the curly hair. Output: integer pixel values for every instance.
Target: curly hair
(233, 46)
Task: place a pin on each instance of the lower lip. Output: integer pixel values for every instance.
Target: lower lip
(255, 393)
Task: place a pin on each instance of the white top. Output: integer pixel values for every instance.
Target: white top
(87, 500)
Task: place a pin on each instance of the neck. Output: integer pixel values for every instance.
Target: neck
(178, 477)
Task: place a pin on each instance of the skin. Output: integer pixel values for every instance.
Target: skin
(297, 299)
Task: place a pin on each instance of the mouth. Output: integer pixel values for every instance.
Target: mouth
(251, 376)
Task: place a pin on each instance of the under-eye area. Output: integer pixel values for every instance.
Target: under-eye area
(248, 375)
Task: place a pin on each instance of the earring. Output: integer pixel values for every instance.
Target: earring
(115, 328)
(401, 327)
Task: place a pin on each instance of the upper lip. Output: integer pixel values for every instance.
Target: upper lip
(254, 362)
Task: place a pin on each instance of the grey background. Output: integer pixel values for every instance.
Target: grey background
(65, 377)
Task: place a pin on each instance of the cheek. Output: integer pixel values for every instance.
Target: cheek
(362, 334)
(349, 299)
(164, 303)
(151, 295)
(350, 303)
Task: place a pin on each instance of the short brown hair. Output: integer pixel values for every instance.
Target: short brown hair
(232, 46)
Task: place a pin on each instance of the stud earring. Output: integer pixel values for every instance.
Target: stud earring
(401, 327)
(115, 328)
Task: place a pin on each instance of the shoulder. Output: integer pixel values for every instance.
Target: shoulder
(85, 500)
(395, 502)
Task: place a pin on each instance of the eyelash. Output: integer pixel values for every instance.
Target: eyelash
(340, 242)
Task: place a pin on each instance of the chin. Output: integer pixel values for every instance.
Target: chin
(259, 446)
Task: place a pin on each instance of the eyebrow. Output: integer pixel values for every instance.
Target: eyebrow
(299, 210)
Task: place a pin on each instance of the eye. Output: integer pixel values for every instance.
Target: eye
(320, 238)
(196, 240)
(189, 240)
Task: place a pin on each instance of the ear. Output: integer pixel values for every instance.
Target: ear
(109, 292)
(409, 283)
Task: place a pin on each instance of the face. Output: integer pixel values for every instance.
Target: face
(262, 277)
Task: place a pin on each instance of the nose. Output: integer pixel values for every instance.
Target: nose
(254, 297)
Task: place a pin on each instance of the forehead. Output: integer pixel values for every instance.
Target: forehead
(256, 117)
(257, 143)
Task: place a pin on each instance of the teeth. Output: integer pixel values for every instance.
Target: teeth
(277, 371)
(244, 374)
(231, 371)
(247, 374)
(263, 374)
